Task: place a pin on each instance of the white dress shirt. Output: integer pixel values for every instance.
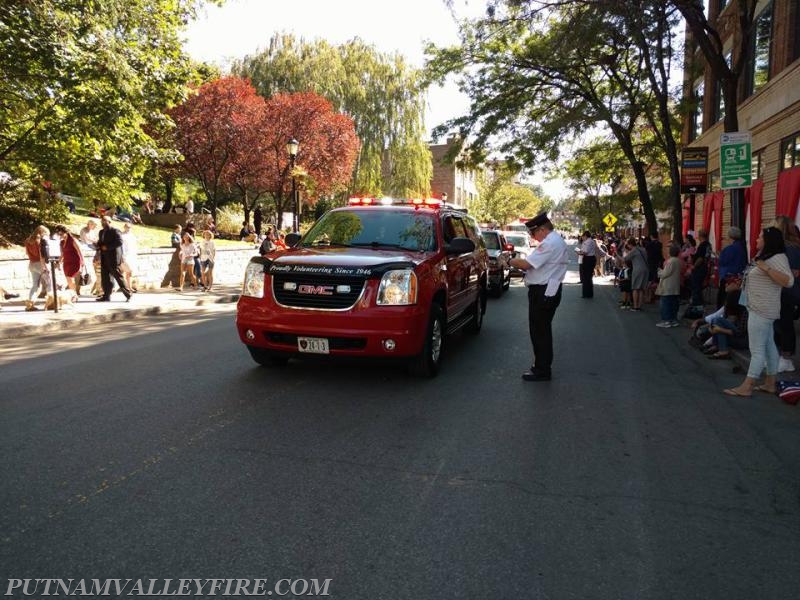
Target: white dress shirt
(549, 262)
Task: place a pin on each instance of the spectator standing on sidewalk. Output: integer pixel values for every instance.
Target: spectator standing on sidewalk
(208, 253)
(588, 253)
(110, 244)
(763, 281)
(669, 288)
(36, 265)
(175, 238)
(732, 261)
(71, 258)
(636, 257)
(130, 255)
(699, 273)
(188, 251)
(785, 336)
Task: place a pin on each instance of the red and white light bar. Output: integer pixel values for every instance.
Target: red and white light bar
(386, 201)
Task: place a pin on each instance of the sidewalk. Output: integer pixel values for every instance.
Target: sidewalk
(15, 322)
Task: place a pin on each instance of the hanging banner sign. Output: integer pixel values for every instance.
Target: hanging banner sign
(694, 170)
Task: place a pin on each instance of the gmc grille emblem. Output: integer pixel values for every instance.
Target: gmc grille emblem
(316, 290)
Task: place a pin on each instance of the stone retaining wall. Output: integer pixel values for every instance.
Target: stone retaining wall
(156, 268)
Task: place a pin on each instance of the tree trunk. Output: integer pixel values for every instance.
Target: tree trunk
(169, 187)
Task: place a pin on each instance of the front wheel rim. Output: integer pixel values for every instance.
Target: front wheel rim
(436, 341)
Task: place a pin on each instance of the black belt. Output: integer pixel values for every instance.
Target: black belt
(538, 285)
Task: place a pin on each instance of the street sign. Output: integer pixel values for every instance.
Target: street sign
(735, 160)
(609, 228)
(694, 170)
(609, 220)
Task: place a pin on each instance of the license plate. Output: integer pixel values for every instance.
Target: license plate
(312, 345)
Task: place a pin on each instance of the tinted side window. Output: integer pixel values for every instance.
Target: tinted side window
(452, 227)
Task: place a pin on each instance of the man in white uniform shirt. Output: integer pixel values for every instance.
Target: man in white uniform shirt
(544, 269)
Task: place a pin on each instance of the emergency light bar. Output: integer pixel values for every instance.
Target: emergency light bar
(386, 201)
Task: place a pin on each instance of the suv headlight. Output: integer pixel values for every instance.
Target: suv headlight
(253, 280)
(398, 288)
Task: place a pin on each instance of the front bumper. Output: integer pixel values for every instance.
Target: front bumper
(362, 330)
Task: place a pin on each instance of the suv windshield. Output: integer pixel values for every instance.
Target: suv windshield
(492, 240)
(373, 228)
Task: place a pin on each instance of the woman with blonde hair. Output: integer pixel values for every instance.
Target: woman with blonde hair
(785, 337)
(37, 267)
(187, 251)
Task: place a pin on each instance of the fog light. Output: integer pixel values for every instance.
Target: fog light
(389, 345)
(250, 335)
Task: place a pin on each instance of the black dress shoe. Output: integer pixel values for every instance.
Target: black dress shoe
(103, 299)
(9, 296)
(531, 376)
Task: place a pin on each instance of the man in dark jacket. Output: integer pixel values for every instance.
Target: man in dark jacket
(110, 245)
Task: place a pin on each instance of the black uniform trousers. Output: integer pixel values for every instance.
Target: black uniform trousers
(586, 271)
(541, 310)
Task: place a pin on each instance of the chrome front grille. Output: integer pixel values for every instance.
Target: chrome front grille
(315, 291)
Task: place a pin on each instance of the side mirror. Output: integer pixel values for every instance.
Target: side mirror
(460, 245)
(291, 239)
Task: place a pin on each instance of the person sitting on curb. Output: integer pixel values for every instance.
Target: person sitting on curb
(727, 327)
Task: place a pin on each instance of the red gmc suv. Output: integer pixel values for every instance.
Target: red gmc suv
(377, 278)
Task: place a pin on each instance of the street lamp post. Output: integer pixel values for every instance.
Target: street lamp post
(291, 147)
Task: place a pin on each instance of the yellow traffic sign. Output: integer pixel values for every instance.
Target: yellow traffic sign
(609, 228)
(609, 220)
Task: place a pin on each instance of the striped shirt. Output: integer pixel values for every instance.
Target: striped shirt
(763, 294)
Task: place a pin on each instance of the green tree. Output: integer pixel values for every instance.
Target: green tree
(79, 80)
(381, 93)
(539, 75)
(501, 199)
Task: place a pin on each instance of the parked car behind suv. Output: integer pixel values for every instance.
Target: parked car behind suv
(523, 245)
(377, 278)
(499, 255)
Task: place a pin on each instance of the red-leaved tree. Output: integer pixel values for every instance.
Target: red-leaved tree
(328, 147)
(213, 130)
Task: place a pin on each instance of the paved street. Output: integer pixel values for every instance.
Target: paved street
(156, 448)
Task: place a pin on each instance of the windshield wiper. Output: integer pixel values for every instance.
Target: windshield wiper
(317, 243)
(376, 244)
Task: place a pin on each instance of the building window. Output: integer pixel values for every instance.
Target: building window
(757, 168)
(758, 66)
(713, 181)
(697, 122)
(790, 151)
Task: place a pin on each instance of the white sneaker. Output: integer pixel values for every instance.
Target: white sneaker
(674, 324)
(663, 324)
(785, 365)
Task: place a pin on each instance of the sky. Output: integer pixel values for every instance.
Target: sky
(241, 27)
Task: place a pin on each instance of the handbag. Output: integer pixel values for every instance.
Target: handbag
(85, 278)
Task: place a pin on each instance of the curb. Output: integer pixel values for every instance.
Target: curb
(124, 314)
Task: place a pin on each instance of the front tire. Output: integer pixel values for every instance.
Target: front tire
(265, 358)
(426, 363)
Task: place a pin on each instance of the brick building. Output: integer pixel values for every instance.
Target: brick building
(768, 107)
(459, 184)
